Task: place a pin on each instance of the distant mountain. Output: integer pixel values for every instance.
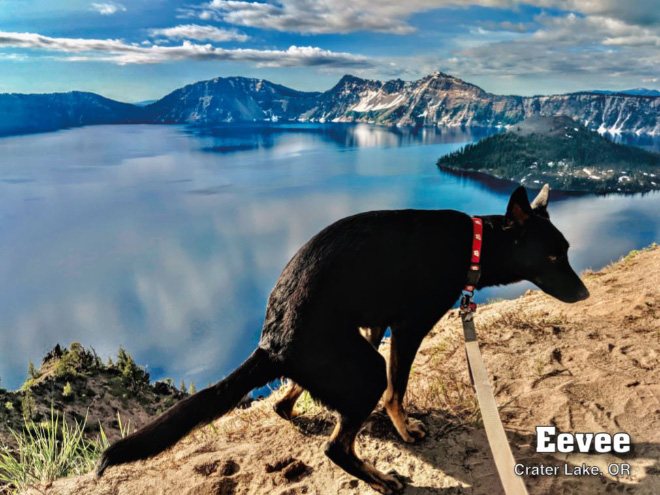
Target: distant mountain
(561, 152)
(24, 113)
(635, 92)
(437, 99)
(144, 103)
(231, 99)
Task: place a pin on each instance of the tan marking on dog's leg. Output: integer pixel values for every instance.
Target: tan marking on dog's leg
(409, 429)
(285, 407)
(341, 450)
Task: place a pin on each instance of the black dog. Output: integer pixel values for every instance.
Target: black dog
(397, 269)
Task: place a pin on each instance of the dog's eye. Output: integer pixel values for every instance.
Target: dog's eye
(552, 258)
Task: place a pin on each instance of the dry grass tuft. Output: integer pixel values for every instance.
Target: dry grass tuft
(528, 321)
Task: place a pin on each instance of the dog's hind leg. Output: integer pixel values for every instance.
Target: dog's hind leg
(341, 450)
(347, 374)
(285, 406)
(373, 335)
(406, 339)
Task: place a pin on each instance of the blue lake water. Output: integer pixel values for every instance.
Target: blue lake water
(167, 240)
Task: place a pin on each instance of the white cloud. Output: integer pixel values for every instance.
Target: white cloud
(572, 44)
(312, 16)
(122, 53)
(515, 27)
(392, 16)
(638, 12)
(199, 33)
(108, 8)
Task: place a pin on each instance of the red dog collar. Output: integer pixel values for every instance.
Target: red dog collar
(475, 267)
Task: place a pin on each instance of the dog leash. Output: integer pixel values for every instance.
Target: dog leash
(499, 444)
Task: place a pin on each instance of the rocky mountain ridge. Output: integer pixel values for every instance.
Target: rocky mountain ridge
(435, 100)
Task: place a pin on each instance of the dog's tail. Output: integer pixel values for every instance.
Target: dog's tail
(200, 408)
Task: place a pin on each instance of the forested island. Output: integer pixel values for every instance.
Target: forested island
(562, 152)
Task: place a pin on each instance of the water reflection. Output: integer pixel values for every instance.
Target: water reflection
(649, 143)
(141, 236)
(230, 138)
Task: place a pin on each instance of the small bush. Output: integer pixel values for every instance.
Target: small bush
(32, 371)
(67, 393)
(28, 406)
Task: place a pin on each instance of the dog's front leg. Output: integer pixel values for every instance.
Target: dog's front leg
(405, 341)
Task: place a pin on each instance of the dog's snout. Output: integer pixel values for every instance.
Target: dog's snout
(583, 294)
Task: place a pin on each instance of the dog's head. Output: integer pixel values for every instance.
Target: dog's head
(540, 251)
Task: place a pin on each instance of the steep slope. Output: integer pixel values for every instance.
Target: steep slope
(605, 113)
(588, 367)
(25, 113)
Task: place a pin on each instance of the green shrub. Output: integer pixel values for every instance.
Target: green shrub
(134, 378)
(67, 393)
(76, 359)
(28, 406)
(32, 371)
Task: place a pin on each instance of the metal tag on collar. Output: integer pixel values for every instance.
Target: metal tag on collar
(466, 305)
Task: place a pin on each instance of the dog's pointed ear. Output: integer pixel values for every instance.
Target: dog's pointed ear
(519, 210)
(540, 203)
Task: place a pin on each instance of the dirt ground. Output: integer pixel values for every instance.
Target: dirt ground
(588, 367)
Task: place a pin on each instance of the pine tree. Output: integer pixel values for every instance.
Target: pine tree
(182, 387)
(134, 378)
(32, 371)
(192, 389)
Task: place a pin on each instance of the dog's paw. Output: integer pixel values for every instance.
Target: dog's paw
(416, 428)
(413, 430)
(403, 479)
(388, 484)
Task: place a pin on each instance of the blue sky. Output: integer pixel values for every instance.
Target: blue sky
(142, 49)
